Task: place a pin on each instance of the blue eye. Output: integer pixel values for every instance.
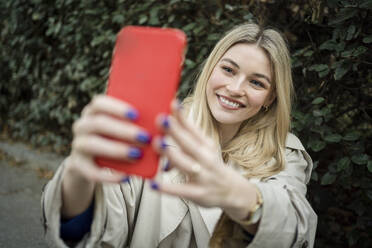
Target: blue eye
(228, 69)
(258, 83)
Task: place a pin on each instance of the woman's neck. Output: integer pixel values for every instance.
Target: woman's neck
(227, 132)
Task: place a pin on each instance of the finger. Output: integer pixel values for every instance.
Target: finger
(183, 138)
(112, 106)
(95, 145)
(112, 127)
(167, 165)
(191, 192)
(177, 158)
(94, 173)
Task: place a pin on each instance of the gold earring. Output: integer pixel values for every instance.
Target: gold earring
(266, 108)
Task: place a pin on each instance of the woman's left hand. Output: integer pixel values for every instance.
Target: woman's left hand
(210, 182)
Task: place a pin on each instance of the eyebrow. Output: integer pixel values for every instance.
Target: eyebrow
(255, 74)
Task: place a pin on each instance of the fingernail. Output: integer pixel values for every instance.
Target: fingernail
(166, 166)
(163, 145)
(143, 137)
(125, 179)
(165, 122)
(154, 185)
(134, 153)
(132, 114)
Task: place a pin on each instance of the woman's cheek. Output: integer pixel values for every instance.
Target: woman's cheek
(257, 99)
(215, 82)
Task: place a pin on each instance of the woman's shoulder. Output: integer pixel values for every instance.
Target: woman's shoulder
(293, 142)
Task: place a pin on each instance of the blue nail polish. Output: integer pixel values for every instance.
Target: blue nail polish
(134, 153)
(163, 145)
(165, 122)
(143, 137)
(154, 185)
(132, 114)
(125, 180)
(166, 166)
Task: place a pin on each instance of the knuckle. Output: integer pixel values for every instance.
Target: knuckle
(100, 120)
(87, 109)
(78, 144)
(76, 126)
(74, 146)
(97, 99)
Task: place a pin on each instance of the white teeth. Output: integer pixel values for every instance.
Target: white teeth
(227, 102)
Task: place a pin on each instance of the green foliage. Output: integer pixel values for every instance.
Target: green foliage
(56, 56)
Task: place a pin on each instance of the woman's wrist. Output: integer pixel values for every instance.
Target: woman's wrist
(243, 198)
(73, 173)
(77, 191)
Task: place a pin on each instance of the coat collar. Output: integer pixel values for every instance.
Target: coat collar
(174, 209)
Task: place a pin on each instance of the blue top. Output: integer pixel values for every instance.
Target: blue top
(74, 229)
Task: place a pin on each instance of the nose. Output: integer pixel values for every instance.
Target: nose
(235, 87)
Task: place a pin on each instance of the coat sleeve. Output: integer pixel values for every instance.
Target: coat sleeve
(115, 209)
(287, 218)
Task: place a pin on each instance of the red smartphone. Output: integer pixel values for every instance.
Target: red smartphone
(145, 72)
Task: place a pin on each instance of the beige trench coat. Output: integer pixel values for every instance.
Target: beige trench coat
(133, 215)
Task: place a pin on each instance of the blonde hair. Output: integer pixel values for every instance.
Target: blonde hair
(259, 145)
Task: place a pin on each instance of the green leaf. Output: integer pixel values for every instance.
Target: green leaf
(190, 63)
(360, 159)
(248, 17)
(343, 164)
(318, 121)
(323, 73)
(367, 39)
(359, 51)
(314, 176)
(154, 19)
(118, 18)
(367, 4)
(317, 100)
(317, 145)
(351, 136)
(213, 37)
(318, 67)
(317, 113)
(369, 194)
(315, 164)
(343, 15)
(333, 138)
(341, 71)
(350, 32)
(189, 26)
(308, 53)
(329, 45)
(347, 53)
(143, 19)
(171, 18)
(369, 166)
(328, 179)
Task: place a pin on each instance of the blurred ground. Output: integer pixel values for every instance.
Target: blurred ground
(24, 171)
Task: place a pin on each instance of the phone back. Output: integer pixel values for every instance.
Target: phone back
(145, 72)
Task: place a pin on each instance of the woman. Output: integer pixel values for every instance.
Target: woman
(231, 156)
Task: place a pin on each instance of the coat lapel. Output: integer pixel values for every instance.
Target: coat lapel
(172, 209)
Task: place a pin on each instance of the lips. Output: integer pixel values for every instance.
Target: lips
(229, 102)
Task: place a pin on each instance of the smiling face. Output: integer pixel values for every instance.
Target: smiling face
(240, 85)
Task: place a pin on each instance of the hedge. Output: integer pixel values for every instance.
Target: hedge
(56, 56)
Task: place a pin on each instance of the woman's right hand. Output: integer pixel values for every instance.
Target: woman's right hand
(103, 117)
